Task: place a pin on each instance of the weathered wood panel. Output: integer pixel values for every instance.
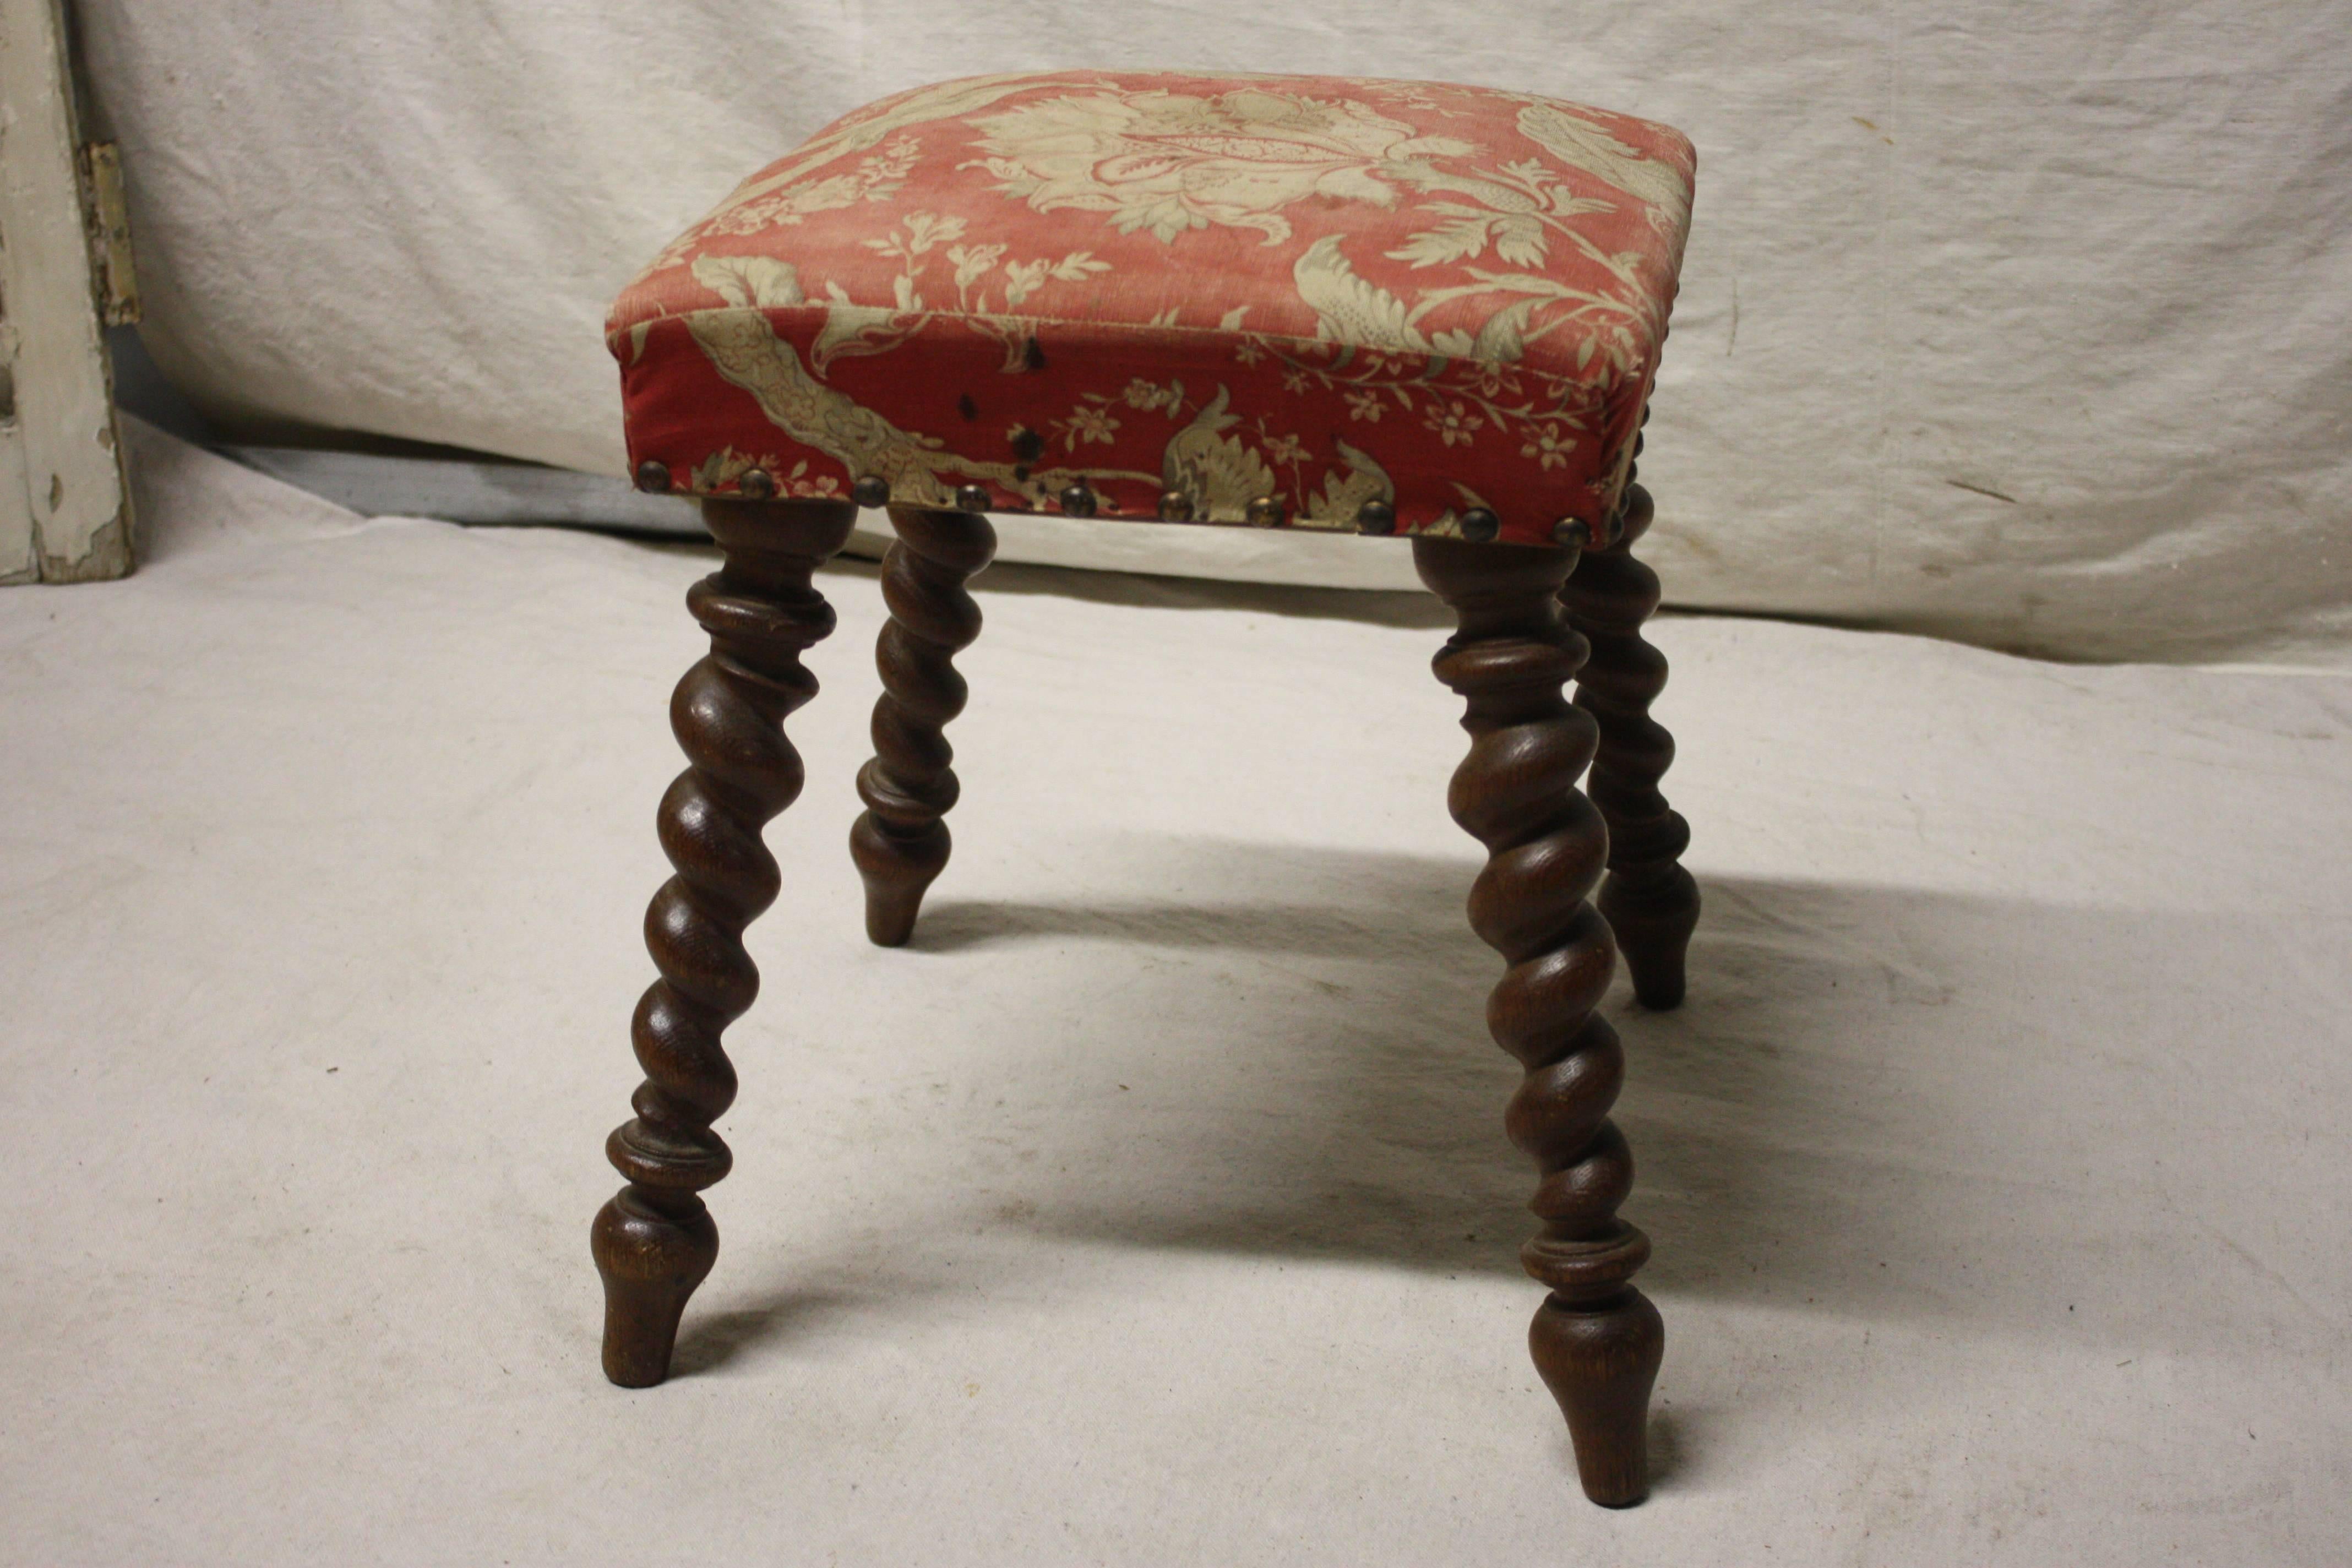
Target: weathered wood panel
(64, 507)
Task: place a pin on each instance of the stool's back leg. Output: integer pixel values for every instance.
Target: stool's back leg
(1596, 1340)
(1649, 901)
(901, 843)
(655, 1242)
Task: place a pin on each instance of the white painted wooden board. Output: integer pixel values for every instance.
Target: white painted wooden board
(64, 507)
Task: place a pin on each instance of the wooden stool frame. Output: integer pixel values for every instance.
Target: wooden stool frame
(1530, 620)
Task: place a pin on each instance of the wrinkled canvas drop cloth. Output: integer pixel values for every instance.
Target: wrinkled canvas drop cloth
(1154, 1205)
(2021, 324)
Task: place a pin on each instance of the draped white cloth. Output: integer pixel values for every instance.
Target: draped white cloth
(2023, 324)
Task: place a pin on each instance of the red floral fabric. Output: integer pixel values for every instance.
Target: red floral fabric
(1312, 291)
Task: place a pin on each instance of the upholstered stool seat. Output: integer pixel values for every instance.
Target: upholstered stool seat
(1237, 300)
(1370, 307)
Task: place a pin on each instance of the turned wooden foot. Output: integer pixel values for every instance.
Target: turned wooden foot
(655, 1242)
(651, 1259)
(1599, 1359)
(901, 843)
(1649, 901)
(1597, 1341)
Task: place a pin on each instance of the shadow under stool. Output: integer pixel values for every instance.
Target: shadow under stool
(1375, 308)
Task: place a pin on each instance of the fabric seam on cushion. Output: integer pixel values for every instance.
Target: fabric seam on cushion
(1137, 329)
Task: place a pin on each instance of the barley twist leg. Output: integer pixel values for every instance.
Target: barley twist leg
(1650, 901)
(655, 1242)
(1596, 1340)
(901, 843)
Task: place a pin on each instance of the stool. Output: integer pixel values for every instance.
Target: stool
(1377, 308)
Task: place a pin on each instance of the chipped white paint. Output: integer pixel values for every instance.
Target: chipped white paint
(64, 507)
(19, 561)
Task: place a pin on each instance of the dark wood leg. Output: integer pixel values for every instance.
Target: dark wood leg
(1596, 1340)
(1649, 901)
(901, 843)
(655, 1242)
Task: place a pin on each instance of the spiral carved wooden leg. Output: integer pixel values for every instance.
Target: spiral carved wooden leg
(1649, 901)
(655, 1242)
(901, 843)
(1596, 1340)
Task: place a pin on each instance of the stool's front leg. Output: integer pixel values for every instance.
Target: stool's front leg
(901, 843)
(655, 1242)
(1651, 902)
(1596, 1340)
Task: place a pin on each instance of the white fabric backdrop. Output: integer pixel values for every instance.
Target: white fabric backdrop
(2026, 324)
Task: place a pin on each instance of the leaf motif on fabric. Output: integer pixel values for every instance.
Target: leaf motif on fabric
(1348, 310)
(1458, 238)
(1520, 241)
(746, 281)
(853, 329)
(1501, 339)
(1580, 145)
(973, 262)
(917, 233)
(1219, 471)
(1022, 279)
(788, 206)
(1344, 493)
(1518, 236)
(1491, 194)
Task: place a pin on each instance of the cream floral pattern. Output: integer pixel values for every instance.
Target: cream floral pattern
(1168, 162)
(1305, 289)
